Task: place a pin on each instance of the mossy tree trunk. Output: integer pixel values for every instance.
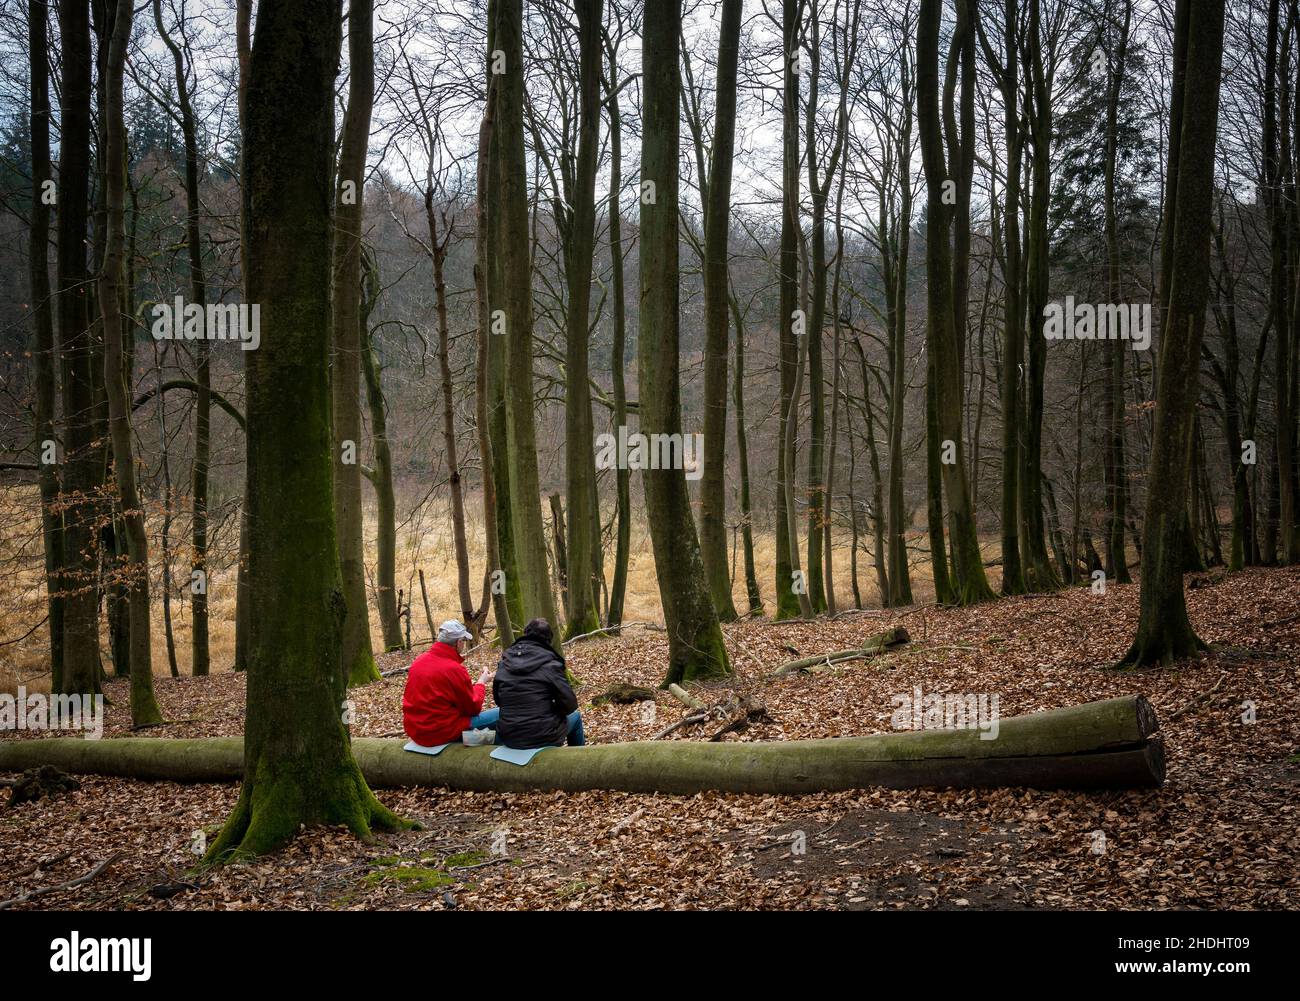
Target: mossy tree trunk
(117, 371)
(695, 647)
(513, 248)
(944, 294)
(1108, 744)
(488, 362)
(349, 205)
(298, 765)
(1164, 631)
(717, 226)
(498, 413)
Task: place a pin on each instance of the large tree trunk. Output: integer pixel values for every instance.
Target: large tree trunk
(298, 763)
(896, 254)
(788, 604)
(455, 485)
(1164, 631)
(349, 206)
(83, 459)
(1115, 468)
(1039, 575)
(945, 295)
(390, 619)
(117, 373)
(1108, 744)
(1282, 508)
(1013, 350)
(1242, 548)
(618, 366)
(243, 53)
(695, 647)
(837, 350)
(717, 225)
(815, 577)
(43, 343)
(791, 526)
(883, 584)
(203, 398)
(525, 505)
(846, 54)
(169, 499)
(489, 459)
(579, 248)
(752, 592)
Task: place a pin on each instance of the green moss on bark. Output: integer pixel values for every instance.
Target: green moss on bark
(298, 766)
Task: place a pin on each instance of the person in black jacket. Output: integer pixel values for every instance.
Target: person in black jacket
(538, 708)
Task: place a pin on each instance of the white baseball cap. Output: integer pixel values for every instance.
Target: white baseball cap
(451, 631)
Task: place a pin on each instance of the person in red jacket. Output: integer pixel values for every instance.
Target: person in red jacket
(439, 703)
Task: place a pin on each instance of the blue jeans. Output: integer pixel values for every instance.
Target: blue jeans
(488, 719)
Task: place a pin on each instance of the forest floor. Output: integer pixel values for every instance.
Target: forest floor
(1222, 833)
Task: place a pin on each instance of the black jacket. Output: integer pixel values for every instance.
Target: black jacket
(534, 698)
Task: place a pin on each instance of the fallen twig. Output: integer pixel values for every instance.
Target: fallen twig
(749, 710)
(44, 863)
(1205, 697)
(79, 881)
(626, 822)
(610, 630)
(878, 644)
(684, 721)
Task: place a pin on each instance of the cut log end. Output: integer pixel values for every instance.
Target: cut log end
(1155, 757)
(1147, 723)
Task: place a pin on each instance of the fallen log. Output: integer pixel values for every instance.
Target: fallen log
(624, 693)
(878, 644)
(1108, 744)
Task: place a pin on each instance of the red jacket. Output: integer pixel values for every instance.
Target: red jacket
(439, 700)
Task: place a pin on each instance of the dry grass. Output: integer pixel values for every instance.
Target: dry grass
(424, 543)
